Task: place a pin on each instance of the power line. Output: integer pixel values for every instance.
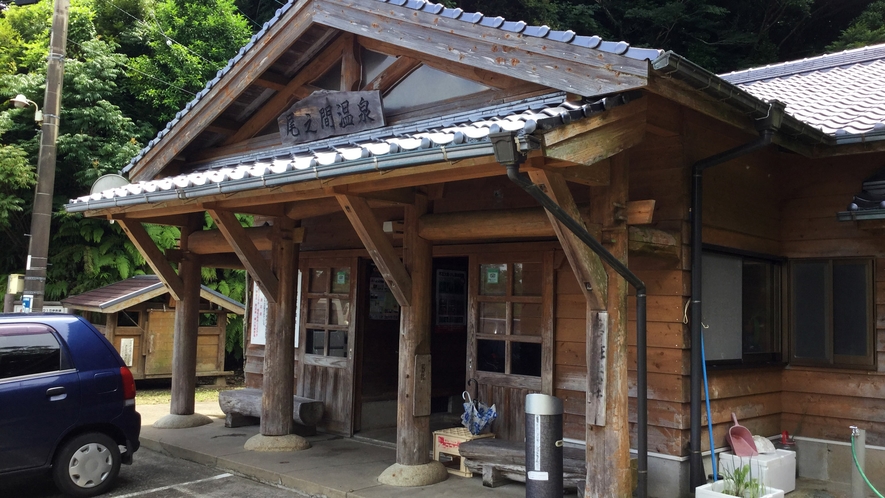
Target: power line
(145, 74)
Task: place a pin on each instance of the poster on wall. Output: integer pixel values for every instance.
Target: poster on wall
(451, 297)
(382, 304)
(259, 316)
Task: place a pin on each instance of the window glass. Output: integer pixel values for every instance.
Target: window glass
(810, 310)
(28, 350)
(319, 278)
(317, 309)
(527, 279)
(340, 280)
(527, 319)
(493, 279)
(832, 312)
(740, 308)
(525, 358)
(331, 80)
(427, 85)
(490, 355)
(374, 63)
(316, 341)
(850, 309)
(493, 318)
(338, 343)
(340, 312)
(128, 319)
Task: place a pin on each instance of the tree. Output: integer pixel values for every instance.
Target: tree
(187, 42)
(867, 29)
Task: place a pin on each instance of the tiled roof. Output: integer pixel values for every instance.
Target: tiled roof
(512, 27)
(841, 93)
(112, 297)
(452, 137)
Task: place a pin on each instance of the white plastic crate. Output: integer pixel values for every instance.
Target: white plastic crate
(778, 469)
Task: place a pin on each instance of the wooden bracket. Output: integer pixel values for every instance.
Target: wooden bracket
(379, 246)
(586, 264)
(249, 255)
(155, 259)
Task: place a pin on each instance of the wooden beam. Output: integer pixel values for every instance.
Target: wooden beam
(301, 210)
(223, 126)
(370, 232)
(272, 80)
(608, 448)
(283, 99)
(640, 212)
(351, 69)
(585, 263)
(222, 260)
(414, 444)
(245, 249)
(254, 62)
(152, 255)
(481, 76)
(593, 175)
(402, 196)
(215, 242)
(558, 65)
(588, 141)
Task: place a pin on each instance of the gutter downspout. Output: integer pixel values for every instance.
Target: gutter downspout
(641, 337)
(767, 129)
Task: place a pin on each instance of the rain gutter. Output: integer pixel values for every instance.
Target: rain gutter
(577, 228)
(351, 167)
(674, 65)
(767, 127)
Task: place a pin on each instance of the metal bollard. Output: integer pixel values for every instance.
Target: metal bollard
(543, 446)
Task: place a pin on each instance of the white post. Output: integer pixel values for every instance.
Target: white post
(858, 486)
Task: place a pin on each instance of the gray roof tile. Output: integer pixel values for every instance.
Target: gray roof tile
(841, 94)
(594, 42)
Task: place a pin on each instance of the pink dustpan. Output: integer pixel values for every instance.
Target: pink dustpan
(741, 440)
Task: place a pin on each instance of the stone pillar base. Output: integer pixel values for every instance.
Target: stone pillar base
(291, 442)
(414, 475)
(173, 421)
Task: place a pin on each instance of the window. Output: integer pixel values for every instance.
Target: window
(509, 321)
(832, 310)
(128, 318)
(328, 311)
(740, 308)
(27, 350)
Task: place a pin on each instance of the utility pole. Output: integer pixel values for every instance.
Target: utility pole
(38, 247)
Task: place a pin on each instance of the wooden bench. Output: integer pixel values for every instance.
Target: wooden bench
(243, 407)
(499, 461)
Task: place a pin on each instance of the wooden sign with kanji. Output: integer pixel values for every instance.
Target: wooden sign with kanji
(326, 114)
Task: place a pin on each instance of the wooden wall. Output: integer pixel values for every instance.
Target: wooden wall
(824, 402)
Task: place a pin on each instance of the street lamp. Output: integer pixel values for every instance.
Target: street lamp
(20, 102)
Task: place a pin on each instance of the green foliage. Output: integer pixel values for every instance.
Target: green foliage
(867, 29)
(188, 42)
(740, 482)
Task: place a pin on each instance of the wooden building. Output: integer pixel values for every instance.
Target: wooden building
(362, 134)
(138, 317)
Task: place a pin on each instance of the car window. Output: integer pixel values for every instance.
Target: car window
(28, 349)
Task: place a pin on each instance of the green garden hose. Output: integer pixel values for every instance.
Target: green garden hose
(857, 464)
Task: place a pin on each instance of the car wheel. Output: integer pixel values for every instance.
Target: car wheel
(87, 465)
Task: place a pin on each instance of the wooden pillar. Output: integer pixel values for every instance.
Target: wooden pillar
(187, 324)
(279, 350)
(608, 447)
(413, 438)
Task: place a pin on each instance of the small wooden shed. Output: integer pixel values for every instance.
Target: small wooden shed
(138, 316)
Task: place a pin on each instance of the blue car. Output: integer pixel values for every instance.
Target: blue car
(67, 403)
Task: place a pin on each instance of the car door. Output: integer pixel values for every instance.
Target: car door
(39, 395)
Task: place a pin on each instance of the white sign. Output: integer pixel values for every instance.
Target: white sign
(127, 345)
(258, 328)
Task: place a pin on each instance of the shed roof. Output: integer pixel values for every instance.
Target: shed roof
(125, 293)
(842, 93)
